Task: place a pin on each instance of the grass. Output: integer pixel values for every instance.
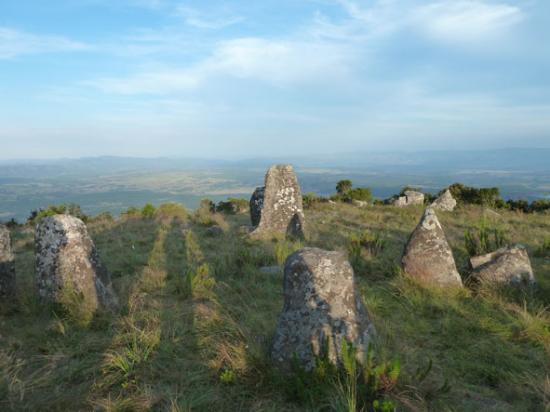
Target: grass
(197, 317)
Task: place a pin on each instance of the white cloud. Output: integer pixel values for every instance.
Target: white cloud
(466, 21)
(14, 43)
(276, 62)
(214, 20)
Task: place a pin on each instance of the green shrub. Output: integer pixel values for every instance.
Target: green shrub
(343, 186)
(148, 211)
(309, 199)
(168, 212)
(352, 385)
(484, 238)
(131, 212)
(64, 209)
(232, 206)
(470, 195)
(373, 242)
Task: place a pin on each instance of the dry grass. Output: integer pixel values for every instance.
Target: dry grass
(197, 317)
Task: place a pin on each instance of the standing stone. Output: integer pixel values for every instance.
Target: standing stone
(445, 202)
(279, 204)
(410, 197)
(508, 265)
(67, 261)
(256, 205)
(321, 308)
(7, 264)
(428, 256)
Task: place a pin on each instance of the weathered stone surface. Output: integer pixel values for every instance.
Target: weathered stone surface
(445, 202)
(428, 256)
(410, 197)
(67, 260)
(256, 205)
(359, 203)
(7, 264)
(281, 209)
(321, 307)
(214, 231)
(507, 265)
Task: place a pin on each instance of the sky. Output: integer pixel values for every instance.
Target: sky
(249, 78)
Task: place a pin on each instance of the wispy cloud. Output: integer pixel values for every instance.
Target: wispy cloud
(14, 43)
(460, 21)
(213, 20)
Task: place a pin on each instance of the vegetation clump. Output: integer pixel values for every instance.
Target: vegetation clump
(484, 238)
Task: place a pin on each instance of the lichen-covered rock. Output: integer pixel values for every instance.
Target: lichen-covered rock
(445, 202)
(428, 257)
(508, 265)
(256, 205)
(280, 209)
(410, 197)
(7, 264)
(67, 263)
(321, 308)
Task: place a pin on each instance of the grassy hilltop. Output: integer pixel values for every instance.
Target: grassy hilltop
(197, 316)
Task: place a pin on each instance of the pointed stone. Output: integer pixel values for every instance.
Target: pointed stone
(7, 265)
(508, 265)
(445, 202)
(277, 209)
(322, 307)
(428, 256)
(67, 261)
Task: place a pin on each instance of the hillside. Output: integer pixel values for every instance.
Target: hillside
(197, 317)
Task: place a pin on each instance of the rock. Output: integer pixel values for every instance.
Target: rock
(256, 205)
(67, 261)
(280, 209)
(508, 265)
(321, 307)
(7, 264)
(359, 203)
(214, 231)
(445, 202)
(428, 256)
(270, 270)
(410, 198)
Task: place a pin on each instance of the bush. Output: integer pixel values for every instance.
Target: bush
(64, 209)
(484, 239)
(148, 211)
(169, 212)
(352, 385)
(232, 206)
(470, 195)
(343, 186)
(361, 193)
(309, 199)
(131, 212)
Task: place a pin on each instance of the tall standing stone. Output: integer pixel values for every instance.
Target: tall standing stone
(7, 264)
(322, 307)
(445, 202)
(278, 208)
(428, 256)
(508, 265)
(67, 262)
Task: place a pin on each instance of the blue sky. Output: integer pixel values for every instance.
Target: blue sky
(259, 78)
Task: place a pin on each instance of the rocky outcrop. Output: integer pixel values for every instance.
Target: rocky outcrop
(278, 209)
(445, 202)
(256, 205)
(67, 263)
(428, 257)
(321, 308)
(508, 265)
(7, 264)
(409, 198)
